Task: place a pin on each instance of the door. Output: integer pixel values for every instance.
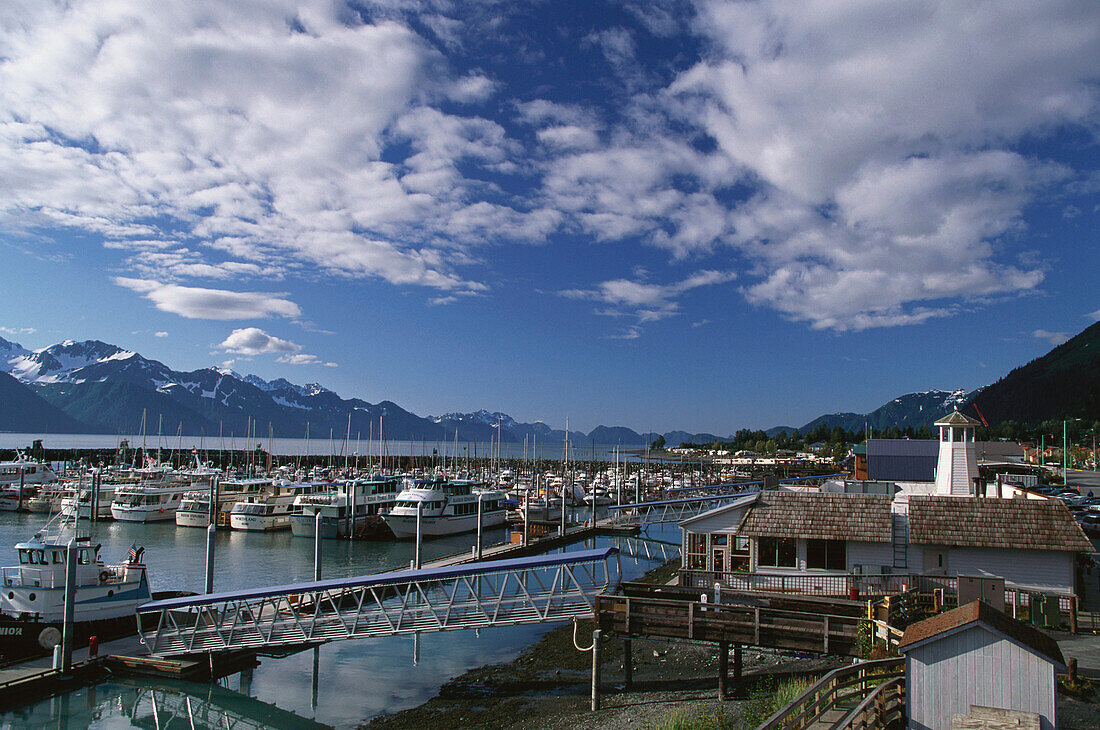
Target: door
(935, 562)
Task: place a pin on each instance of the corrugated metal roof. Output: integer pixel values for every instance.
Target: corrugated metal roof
(902, 447)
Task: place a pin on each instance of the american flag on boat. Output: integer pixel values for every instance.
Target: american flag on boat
(133, 552)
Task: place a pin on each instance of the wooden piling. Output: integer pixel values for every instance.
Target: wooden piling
(723, 670)
(596, 669)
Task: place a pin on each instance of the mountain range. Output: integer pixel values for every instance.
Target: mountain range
(96, 387)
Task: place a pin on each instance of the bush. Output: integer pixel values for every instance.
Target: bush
(764, 700)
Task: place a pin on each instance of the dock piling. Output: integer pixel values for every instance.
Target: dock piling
(596, 669)
(210, 531)
(419, 534)
(68, 634)
(317, 546)
(723, 670)
(479, 516)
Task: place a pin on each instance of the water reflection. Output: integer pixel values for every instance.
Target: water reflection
(163, 706)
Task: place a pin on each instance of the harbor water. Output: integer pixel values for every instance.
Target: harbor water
(353, 680)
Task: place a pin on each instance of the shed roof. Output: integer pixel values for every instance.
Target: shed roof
(1024, 524)
(979, 612)
(820, 516)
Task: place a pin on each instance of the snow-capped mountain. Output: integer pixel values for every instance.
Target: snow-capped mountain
(910, 410)
(108, 388)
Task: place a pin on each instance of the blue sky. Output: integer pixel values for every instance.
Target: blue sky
(661, 214)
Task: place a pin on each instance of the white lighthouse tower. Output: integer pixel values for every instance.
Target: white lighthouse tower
(958, 460)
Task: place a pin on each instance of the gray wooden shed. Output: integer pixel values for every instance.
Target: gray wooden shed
(977, 656)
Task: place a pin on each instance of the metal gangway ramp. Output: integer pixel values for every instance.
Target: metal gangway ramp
(670, 510)
(479, 595)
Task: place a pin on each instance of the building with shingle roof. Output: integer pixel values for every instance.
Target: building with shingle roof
(819, 516)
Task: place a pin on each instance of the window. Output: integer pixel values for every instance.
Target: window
(696, 551)
(777, 552)
(826, 555)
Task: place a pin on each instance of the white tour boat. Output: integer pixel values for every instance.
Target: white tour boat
(146, 502)
(31, 471)
(194, 509)
(369, 499)
(270, 510)
(448, 507)
(82, 502)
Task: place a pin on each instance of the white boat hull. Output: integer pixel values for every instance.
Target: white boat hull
(404, 526)
(192, 519)
(259, 523)
(141, 514)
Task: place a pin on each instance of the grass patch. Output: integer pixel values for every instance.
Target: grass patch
(763, 701)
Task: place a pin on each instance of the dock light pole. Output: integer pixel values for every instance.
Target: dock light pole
(563, 509)
(93, 499)
(479, 515)
(354, 489)
(526, 516)
(211, 529)
(209, 586)
(419, 534)
(317, 545)
(68, 627)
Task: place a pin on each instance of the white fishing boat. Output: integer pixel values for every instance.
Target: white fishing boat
(353, 504)
(80, 505)
(146, 502)
(14, 498)
(447, 507)
(49, 497)
(194, 509)
(32, 601)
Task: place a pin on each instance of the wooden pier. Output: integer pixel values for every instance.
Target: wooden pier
(779, 622)
(729, 619)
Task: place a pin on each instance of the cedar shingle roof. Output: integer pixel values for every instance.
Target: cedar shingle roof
(981, 612)
(820, 516)
(1024, 524)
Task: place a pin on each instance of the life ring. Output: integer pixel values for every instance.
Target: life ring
(49, 637)
(104, 576)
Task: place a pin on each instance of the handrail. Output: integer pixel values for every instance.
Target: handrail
(795, 714)
(875, 699)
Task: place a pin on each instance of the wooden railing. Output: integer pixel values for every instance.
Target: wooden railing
(798, 630)
(932, 593)
(883, 708)
(839, 687)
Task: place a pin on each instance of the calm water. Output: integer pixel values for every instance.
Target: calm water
(355, 680)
